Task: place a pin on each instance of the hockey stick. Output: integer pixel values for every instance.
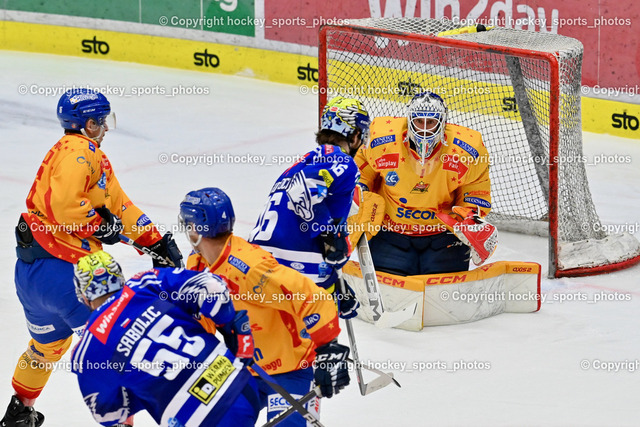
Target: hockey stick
(383, 379)
(145, 250)
(303, 400)
(296, 405)
(381, 318)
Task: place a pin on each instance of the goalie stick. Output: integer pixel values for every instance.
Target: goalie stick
(144, 250)
(383, 379)
(381, 318)
(296, 405)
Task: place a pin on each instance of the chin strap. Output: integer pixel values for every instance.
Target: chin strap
(196, 243)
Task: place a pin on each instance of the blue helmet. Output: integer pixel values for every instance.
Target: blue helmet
(76, 106)
(209, 211)
(345, 116)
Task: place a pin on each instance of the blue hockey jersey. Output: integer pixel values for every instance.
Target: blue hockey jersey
(311, 197)
(144, 350)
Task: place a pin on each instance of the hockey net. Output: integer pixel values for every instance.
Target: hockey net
(520, 89)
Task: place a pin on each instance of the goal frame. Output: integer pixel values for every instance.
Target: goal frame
(554, 125)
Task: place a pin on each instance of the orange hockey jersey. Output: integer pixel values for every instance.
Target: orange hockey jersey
(456, 174)
(74, 178)
(290, 316)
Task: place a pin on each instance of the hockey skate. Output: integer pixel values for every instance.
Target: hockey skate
(18, 415)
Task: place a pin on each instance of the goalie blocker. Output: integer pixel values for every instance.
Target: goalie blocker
(453, 298)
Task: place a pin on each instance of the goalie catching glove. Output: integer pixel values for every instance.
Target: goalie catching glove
(473, 231)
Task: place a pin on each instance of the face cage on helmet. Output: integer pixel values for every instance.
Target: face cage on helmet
(424, 139)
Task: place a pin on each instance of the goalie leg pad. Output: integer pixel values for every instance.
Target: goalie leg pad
(453, 298)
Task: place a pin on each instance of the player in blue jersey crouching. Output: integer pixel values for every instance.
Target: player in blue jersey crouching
(143, 348)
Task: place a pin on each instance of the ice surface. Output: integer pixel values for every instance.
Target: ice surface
(532, 362)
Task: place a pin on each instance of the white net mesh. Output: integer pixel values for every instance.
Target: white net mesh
(503, 94)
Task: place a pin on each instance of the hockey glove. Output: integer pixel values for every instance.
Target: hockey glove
(332, 371)
(473, 231)
(109, 230)
(336, 246)
(168, 250)
(347, 302)
(237, 335)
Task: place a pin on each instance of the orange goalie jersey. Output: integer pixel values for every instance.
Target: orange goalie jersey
(290, 316)
(456, 174)
(75, 177)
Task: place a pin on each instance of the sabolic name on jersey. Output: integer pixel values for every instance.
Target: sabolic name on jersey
(137, 329)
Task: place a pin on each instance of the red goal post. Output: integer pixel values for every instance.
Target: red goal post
(520, 89)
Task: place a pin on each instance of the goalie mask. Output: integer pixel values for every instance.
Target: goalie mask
(96, 275)
(427, 119)
(346, 116)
